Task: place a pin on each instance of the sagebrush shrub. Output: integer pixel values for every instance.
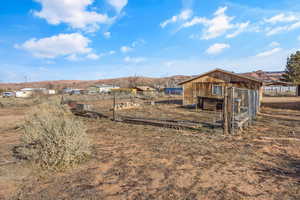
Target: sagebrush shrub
(54, 138)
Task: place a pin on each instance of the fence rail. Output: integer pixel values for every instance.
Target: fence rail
(239, 107)
(280, 90)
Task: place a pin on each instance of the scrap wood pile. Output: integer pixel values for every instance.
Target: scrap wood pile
(126, 105)
(83, 110)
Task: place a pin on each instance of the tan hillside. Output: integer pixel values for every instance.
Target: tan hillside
(123, 82)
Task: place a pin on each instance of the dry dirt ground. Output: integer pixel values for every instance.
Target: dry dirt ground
(146, 162)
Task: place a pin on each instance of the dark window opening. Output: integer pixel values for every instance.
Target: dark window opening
(217, 90)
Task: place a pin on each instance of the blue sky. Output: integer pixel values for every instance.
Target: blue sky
(97, 39)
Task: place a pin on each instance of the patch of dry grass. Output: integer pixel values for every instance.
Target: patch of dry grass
(53, 137)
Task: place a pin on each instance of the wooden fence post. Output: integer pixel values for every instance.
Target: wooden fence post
(225, 112)
(114, 107)
(228, 111)
(231, 110)
(250, 107)
(196, 104)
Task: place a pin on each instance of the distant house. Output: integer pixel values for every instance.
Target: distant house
(8, 94)
(280, 88)
(24, 93)
(207, 90)
(124, 90)
(145, 89)
(173, 91)
(73, 91)
(33, 89)
(36, 91)
(103, 88)
(29, 92)
(78, 91)
(27, 89)
(67, 90)
(51, 91)
(273, 84)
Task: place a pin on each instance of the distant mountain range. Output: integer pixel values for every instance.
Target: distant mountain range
(122, 82)
(266, 76)
(130, 81)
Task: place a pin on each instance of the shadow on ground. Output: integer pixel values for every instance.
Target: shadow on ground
(291, 169)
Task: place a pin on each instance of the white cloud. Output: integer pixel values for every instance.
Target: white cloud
(50, 62)
(93, 56)
(135, 60)
(138, 43)
(217, 48)
(118, 4)
(125, 49)
(107, 34)
(218, 25)
(194, 66)
(111, 52)
(281, 29)
(73, 58)
(194, 36)
(269, 53)
(44, 69)
(294, 26)
(169, 63)
(134, 44)
(287, 22)
(58, 45)
(276, 30)
(282, 18)
(240, 28)
(195, 21)
(75, 13)
(183, 16)
(274, 44)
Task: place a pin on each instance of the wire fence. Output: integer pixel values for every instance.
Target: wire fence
(280, 90)
(243, 106)
(235, 110)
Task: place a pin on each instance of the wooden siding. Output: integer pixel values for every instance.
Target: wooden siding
(202, 86)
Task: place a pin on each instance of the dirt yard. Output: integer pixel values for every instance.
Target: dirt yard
(146, 162)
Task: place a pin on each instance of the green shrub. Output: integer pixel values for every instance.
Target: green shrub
(54, 138)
